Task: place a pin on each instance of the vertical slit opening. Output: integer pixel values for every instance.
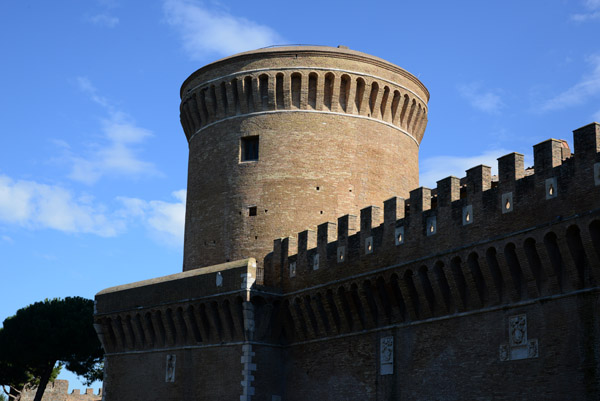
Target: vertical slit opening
(383, 296)
(346, 308)
(213, 99)
(395, 106)
(296, 89)
(322, 314)
(344, 92)
(236, 97)
(223, 88)
(263, 86)
(249, 93)
(536, 265)
(515, 270)
(555, 258)
(334, 311)
(312, 90)
(384, 103)
(279, 104)
(578, 254)
(194, 324)
(459, 279)
(492, 261)
(373, 96)
(412, 292)
(395, 286)
(328, 90)
(360, 93)
(438, 270)
(427, 288)
(473, 263)
(150, 328)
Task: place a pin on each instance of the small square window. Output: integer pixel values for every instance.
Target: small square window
(252, 211)
(249, 148)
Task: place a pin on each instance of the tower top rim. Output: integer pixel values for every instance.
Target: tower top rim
(307, 50)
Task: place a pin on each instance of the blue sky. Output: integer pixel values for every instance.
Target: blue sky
(93, 161)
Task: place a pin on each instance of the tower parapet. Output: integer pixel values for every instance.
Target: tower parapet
(284, 138)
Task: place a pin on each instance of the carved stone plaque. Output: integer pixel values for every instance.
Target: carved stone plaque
(517, 326)
(503, 352)
(170, 371)
(519, 346)
(532, 348)
(386, 355)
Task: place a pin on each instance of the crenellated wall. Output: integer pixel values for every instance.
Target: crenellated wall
(485, 287)
(59, 391)
(479, 244)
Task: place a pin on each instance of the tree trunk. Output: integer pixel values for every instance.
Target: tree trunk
(44, 382)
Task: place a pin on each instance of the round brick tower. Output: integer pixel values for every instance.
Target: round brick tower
(283, 139)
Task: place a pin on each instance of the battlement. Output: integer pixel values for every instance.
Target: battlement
(468, 244)
(59, 391)
(458, 214)
(498, 275)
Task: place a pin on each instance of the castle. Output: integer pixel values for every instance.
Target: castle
(482, 288)
(59, 391)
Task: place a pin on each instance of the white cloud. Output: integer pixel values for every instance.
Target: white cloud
(592, 4)
(164, 220)
(116, 155)
(592, 14)
(36, 206)
(205, 31)
(104, 20)
(437, 168)
(86, 86)
(585, 17)
(480, 99)
(587, 87)
(33, 205)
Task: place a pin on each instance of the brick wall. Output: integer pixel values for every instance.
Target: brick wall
(59, 391)
(482, 288)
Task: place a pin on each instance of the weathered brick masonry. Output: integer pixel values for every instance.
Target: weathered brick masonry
(331, 124)
(482, 288)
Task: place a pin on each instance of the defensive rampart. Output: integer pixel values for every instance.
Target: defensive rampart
(483, 286)
(59, 391)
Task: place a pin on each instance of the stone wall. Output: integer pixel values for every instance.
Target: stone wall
(59, 391)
